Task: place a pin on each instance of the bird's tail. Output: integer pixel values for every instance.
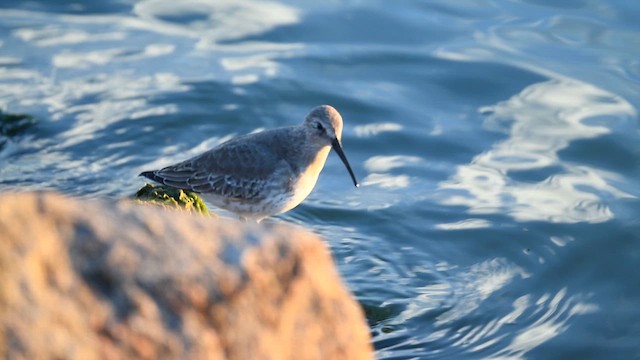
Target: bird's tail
(151, 175)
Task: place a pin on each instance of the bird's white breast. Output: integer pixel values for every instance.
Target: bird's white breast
(307, 179)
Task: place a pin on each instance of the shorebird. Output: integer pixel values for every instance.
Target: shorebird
(262, 174)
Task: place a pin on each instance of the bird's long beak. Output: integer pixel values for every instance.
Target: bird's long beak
(335, 144)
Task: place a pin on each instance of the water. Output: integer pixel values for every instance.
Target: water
(497, 143)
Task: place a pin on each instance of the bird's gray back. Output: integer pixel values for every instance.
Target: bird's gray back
(241, 168)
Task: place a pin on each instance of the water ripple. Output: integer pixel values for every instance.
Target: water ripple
(540, 122)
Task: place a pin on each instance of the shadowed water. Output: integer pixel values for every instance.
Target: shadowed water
(497, 143)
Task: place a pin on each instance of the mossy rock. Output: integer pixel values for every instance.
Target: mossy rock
(171, 197)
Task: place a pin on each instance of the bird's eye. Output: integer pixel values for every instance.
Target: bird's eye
(319, 126)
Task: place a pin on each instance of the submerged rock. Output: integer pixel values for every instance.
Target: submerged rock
(95, 280)
(12, 125)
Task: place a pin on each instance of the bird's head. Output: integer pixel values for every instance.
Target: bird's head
(324, 127)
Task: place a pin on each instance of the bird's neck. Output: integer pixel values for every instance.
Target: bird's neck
(309, 176)
(317, 160)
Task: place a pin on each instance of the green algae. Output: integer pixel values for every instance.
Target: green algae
(171, 197)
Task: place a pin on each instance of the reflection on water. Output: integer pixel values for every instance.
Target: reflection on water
(199, 26)
(540, 122)
(465, 224)
(380, 166)
(55, 36)
(83, 60)
(476, 284)
(519, 327)
(550, 315)
(213, 21)
(374, 129)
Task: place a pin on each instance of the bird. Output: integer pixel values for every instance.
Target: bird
(262, 174)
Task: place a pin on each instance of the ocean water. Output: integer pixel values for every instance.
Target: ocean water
(497, 143)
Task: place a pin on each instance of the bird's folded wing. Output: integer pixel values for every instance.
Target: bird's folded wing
(234, 171)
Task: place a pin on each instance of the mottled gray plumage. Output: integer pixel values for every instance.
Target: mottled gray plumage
(261, 174)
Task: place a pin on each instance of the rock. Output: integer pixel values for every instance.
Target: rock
(98, 280)
(12, 125)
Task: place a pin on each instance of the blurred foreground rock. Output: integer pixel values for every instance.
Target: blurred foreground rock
(98, 280)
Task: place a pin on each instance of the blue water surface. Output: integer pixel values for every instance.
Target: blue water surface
(497, 143)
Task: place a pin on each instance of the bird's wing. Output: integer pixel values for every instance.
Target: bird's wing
(237, 169)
